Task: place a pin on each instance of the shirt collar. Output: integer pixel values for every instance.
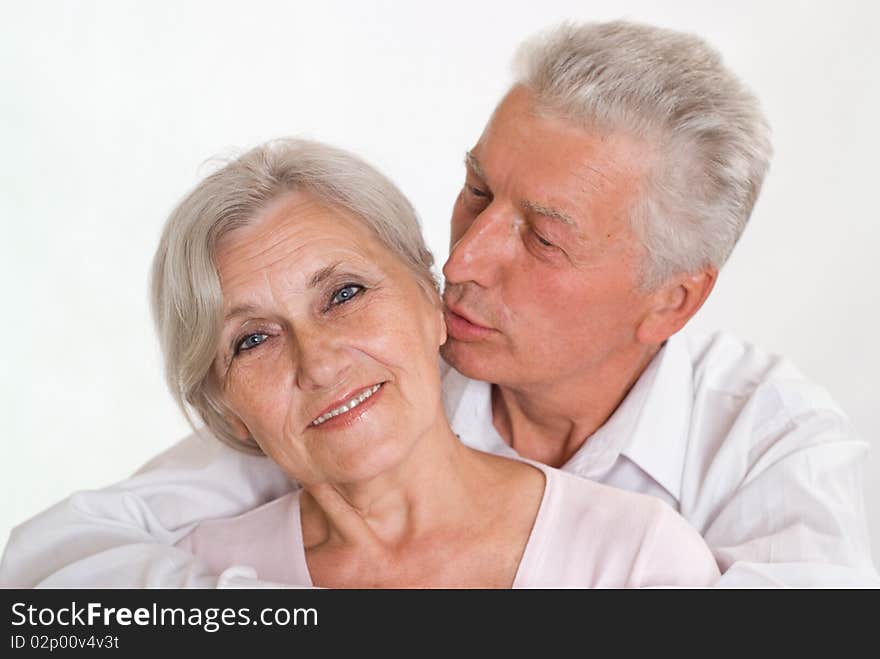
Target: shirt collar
(650, 426)
(468, 406)
(658, 441)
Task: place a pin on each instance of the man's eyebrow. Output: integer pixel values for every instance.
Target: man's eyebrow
(471, 161)
(540, 209)
(553, 213)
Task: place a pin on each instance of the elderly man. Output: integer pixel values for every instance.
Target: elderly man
(609, 186)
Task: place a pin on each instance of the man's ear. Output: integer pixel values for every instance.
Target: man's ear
(674, 303)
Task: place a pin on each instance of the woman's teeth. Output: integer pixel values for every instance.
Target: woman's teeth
(345, 407)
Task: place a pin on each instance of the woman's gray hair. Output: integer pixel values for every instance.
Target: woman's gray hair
(709, 141)
(186, 297)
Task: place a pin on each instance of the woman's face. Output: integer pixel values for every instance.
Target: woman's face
(328, 352)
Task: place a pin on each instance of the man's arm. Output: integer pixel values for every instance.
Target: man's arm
(123, 535)
(796, 515)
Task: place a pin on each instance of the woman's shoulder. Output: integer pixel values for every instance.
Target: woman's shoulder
(585, 497)
(613, 538)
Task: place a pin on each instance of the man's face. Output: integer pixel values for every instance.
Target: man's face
(542, 278)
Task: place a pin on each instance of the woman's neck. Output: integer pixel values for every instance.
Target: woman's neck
(435, 482)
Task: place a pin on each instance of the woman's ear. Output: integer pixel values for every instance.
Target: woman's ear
(441, 318)
(436, 301)
(237, 427)
(241, 432)
(220, 414)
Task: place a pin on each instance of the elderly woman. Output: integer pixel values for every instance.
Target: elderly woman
(298, 317)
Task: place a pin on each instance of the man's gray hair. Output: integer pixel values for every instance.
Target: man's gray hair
(186, 296)
(709, 141)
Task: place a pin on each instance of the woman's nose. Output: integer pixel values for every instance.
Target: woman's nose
(477, 255)
(322, 362)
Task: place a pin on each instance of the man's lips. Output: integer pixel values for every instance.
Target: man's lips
(463, 327)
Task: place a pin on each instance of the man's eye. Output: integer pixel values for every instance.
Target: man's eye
(346, 293)
(543, 241)
(476, 192)
(250, 341)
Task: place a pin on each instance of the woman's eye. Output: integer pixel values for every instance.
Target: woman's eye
(250, 341)
(346, 293)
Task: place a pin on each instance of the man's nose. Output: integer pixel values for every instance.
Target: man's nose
(481, 250)
(322, 361)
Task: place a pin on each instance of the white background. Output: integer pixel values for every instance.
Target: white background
(109, 109)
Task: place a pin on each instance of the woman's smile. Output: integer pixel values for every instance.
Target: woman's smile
(348, 409)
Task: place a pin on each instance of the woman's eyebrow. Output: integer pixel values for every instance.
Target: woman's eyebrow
(322, 275)
(239, 310)
(317, 278)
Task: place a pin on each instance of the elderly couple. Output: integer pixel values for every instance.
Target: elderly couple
(568, 438)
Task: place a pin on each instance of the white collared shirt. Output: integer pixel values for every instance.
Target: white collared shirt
(758, 459)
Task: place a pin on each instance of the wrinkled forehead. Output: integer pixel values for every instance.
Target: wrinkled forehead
(541, 134)
(292, 235)
(297, 210)
(300, 237)
(544, 159)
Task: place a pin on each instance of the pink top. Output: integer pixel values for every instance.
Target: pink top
(585, 535)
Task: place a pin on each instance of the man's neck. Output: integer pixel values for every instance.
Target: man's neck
(549, 422)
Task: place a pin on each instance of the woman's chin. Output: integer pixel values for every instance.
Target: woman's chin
(360, 457)
(373, 439)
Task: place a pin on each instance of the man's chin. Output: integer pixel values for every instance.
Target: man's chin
(468, 359)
